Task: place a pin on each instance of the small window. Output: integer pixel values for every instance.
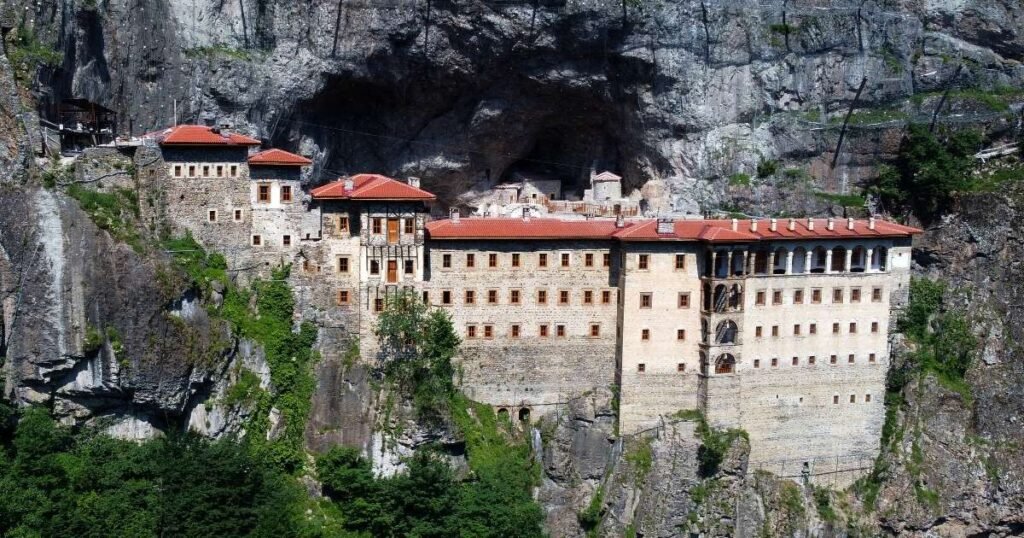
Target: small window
(853, 398)
(307, 265)
(680, 334)
(835, 328)
(681, 367)
(374, 267)
(220, 170)
(776, 297)
(798, 296)
(212, 215)
(286, 193)
(470, 297)
(378, 305)
(853, 328)
(871, 358)
(408, 226)
(343, 224)
(796, 330)
(446, 261)
(641, 367)
(206, 170)
(514, 331)
(876, 294)
(796, 361)
(757, 363)
(177, 170)
(816, 296)
(343, 297)
(263, 193)
(257, 240)
(560, 331)
(775, 362)
(514, 297)
(775, 330)
(588, 297)
(854, 295)
(867, 398)
(191, 170)
(812, 328)
(492, 260)
(563, 297)
(758, 331)
(378, 225)
(646, 300)
(565, 259)
(446, 297)
(470, 260)
(833, 359)
(515, 259)
(588, 260)
(426, 297)
(542, 330)
(874, 326)
(492, 296)
(645, 334)
(286, 240)
(643, 261)
(595, 330)
(850, 358)
(234, 170)
(606, 260)
(542, 259)
(811, 359)
(542, 296)
(606, 297)
(471, 331)
(837, 295)
(238, 215)
(488, 331)
(835, 399)
(759, 298)
(680, 261)
(409, 266)
(684, 300)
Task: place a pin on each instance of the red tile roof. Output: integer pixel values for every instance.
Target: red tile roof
(711, 231)
(370, 187)
(278, 157)
(200, 135)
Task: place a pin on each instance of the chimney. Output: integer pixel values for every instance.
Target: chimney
(753, 225)
(414, 181)
(849, 223)
(773, 224)
(620, 221)
(349, 184)
(871, 222)
(810, 223)
(526, 214)
(735, 225)
(792, 225)
(666, 226)
(453, 214)
(831, 224)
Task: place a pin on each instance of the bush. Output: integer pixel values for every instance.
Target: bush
(767, 168)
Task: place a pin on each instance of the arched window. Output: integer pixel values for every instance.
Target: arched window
(735, 297)
(502, 414)
(707, 297)
(725, 332)
(721, 298)
(721, 264)
(859, 260)
(738, 264)
(524, 414)
(878, 257)
(725, 364)
(799, 261)
(779, 267)
(838, 260)
(819, 257)
(760, 263)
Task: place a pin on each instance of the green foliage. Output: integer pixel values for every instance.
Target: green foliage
(868, 116)
(767, 168)
(714, 443)
(640, 457)
(418, 344)
(925, 300)
(28, 54)
(245, 390)
(780, 28)
(823, 503)
(55, 174)
(204, 270)
(792, 501)
(93, 340)
(928, 171)
(739, 179)
(590, 518)
(944, 341)
(116, 212)
(845, 200)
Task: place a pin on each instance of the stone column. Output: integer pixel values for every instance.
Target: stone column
(828, 261)
(807, 260)
(849, 260)
(771, 262)
(867, 263)
(746, 261)
(728, 264)
(789, 262)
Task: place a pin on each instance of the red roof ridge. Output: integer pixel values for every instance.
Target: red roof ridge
(278, 157)
(200, 135)
(370, 187)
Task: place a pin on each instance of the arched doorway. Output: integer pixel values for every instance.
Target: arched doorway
(524, 414)
(502, 414)
(725, 364)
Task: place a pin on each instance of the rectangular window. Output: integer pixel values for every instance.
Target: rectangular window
(776, 297)
(680, 334)
(409, 266)
(492, 296)
(374, 267)
(775, 330)
(684, 300)
(816, 296)
(874, 326)
(515, 259)
(757, 331)
(263, 193)
(426, 297)
(446, 297)
(408, 226)
(645, 334)
(488, 331)
(470, 260)
(835, 399)
(238, 215)
(835, 328)
(775, 362)
(542, 330)
(854, 295)
(853, 328)
(514, 296)
(191, 170)
(850, 358)
(595, 330)
(565, 259)
(871, 358)
(680, 261)
(681, 367)
(393, 235)
(343, 297)
(343, 224)
(234, 170)
(641, 367)
(220, 170)
(796, 329)
(542, 259)
(757, 363)
(588, 297)
(257, 240)
(832, 359)
(853, 398)
(560, 331)
(563, 297)
(759, 298)
(471, 331)
(606, 297)
(378, 305)
(514, 331)
(206, 170)
(798, 296)
(811, 359)
(646, 300)
(837, 295)
(470, 297)
(446, 261)
(177, 170)
(606, 260)
(492, 260)
(377, 225)
(876, 294)
(212, 216)
(812, 328)
(867, 398)
(643, 261)
(542, 296)
(286, 193)
(796, 361)
(286, 240)
(588, 260)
